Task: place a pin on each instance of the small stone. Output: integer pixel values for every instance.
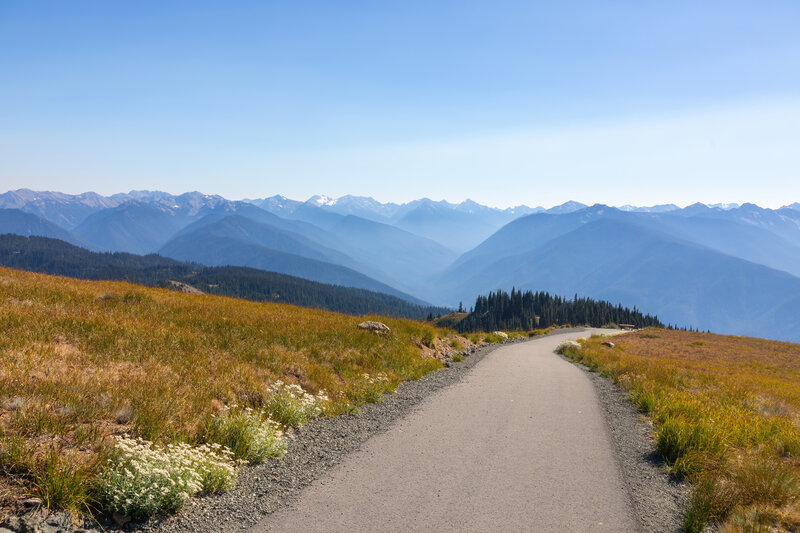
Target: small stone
(12, 523)
(30, 523)
(15, 403)
(123, 415)
(58, 521)
(607, 343)
(66, 411)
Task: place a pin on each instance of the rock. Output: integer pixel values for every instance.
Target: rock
(12, 523)
(123, 415)
(500, 334)
(378, 327)
(58, 520)
(607, 343)
(15, 403)
(22, 524)
(66, 411)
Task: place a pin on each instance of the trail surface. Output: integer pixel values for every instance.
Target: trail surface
(519, 445)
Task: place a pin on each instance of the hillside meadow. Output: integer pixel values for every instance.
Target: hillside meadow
(83, 362)
(726, 416)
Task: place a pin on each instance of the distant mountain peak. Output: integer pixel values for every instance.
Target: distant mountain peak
(321, 200)
(660, 208)
(599, 209)
(567, 207)
(277, 198)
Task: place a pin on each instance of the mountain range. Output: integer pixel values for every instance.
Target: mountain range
(728, 268)
(56, 257)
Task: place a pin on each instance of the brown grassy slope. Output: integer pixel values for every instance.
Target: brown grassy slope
(727, 416)
(450, 320)
(80, 361)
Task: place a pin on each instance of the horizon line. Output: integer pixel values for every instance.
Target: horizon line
(717, 205)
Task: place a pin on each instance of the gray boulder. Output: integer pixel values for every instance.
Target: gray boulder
(377, 327)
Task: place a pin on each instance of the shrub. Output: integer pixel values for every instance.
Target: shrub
(765, 481)
(140, 479)
(710, 501)
(753, 485)
(493, 337)
(62, 482)
(251, 435)
(291, 406)
(427, 338)
(369, 389)
(568, 348)
(537, 332)
(16, 456)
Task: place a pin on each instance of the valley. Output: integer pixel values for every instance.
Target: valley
(727, 269)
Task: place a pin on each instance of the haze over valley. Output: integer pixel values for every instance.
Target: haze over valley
(726, 268)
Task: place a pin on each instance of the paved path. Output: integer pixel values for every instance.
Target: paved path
(519, 445)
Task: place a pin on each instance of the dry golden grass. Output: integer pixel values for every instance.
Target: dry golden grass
(727, 416)
(81, 361)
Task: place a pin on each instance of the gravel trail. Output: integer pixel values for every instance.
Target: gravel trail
(520, 444)
(322, 450)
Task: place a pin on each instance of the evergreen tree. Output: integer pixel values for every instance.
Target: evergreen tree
(526, 310)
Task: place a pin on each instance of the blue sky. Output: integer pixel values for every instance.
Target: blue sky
(638, 102)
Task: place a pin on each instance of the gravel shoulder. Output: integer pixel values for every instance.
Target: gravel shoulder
(318, 447)
(658, 498)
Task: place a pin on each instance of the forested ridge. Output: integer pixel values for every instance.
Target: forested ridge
(53, 256)
(519, 310)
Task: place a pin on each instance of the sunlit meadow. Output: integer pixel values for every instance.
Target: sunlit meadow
(83, 363)
(726, 412)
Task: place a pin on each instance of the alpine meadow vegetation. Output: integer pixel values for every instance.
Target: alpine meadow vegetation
(726, 413)
(130, 399)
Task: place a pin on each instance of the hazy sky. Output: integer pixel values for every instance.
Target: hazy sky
(529, 102)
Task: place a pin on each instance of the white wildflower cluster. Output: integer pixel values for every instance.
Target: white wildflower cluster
(567, 346)
(140, 479)
(251, 435)
(291, 405)
(371, 388)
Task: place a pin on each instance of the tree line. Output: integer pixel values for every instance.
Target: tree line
(528, 310)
